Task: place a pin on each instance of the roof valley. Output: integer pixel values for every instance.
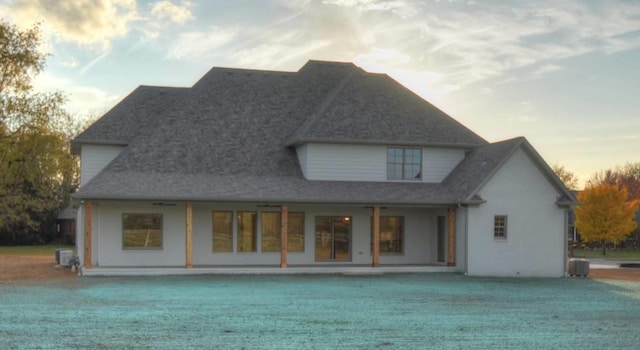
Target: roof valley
(321, 108)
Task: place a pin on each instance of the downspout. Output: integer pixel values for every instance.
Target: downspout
(466, 240)
(566, 241)
(466, 237)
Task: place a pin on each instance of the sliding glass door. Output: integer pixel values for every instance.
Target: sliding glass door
(333, 238)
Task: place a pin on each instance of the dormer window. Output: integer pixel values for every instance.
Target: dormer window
(404, 163)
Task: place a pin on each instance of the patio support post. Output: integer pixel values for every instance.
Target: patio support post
(376, 236)
(88, 226)
(284, 241)
(451, 231)
(188, 213)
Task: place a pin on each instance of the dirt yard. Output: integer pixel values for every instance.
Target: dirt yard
(24, 268)
(15, 268)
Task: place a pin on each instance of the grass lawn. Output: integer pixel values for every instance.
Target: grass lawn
(611, 254)
(403, 311)
(33, 249)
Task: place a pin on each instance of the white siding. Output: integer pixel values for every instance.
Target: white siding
(535, 243)
(348, 162)
(437, 163)
(93, 158)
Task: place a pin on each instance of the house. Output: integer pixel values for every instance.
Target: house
(329, 166)
(66, 225)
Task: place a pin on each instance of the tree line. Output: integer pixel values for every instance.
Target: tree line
(608, 206)
(37, 172)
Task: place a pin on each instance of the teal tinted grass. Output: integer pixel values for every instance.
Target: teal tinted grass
(440, 311)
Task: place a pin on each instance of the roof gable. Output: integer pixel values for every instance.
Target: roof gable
(481, 163)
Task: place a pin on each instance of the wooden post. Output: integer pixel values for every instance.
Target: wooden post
(376, 237)
(284, 239)
(88, 227)
(451, 259)
(188, 208)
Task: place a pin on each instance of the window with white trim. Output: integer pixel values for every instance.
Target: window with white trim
(500, 227)
(404, 163)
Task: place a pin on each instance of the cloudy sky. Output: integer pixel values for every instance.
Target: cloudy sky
(563, 73)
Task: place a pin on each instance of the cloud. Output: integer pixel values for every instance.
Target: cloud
(87, 22)
(82, 100)
(400, 7)
(168, 10)
(70, 63)
(545, 69)
(197, 45)
(454, 44)
(270, 55)
(524, 113)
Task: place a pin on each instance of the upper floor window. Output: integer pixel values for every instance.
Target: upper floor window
(404, 163)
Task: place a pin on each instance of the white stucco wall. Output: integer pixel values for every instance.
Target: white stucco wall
(420, 243)
(349, 162)
(107, 235)
(93, 158)
(534, 246)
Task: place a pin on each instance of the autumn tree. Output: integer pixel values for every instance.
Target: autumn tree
(37, 171)
(627, 176)
(568, 178)
(605, 214)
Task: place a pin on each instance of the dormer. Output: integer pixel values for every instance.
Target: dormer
(379, 163)
(371, 128)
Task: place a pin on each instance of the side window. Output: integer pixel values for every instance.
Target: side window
(222, 231)
(391, 234)
(271, 226)
(247, 237)
(500, 227)
(142, 231)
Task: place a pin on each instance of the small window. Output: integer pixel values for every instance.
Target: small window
(500, 226)
(142, 231)
(404, 164)
(247, 238)
(271, 232)
(222, 232)
(391, 234)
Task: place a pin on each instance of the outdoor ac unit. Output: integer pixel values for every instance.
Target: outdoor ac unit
(58, 256)
(65, 256)
(578, 267)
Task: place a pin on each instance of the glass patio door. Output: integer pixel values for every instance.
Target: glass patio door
(333, 238)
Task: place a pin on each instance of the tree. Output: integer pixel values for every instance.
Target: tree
(37, 171)
(604, 214)
(627, 176)
(568, 178)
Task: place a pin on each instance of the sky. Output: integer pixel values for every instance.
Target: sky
(565, 74)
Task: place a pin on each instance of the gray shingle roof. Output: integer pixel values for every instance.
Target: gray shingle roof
(127, 119)
(228, 138)
(368, 107)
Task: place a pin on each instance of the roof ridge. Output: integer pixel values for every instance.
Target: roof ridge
(322, 107)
